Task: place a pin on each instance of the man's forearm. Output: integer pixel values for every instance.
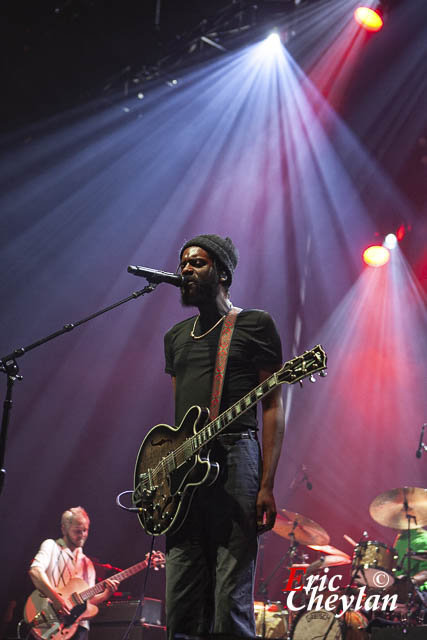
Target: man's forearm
(42, 583)
(420, 577)
(273, 428)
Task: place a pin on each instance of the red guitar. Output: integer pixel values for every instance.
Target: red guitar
(47, 623)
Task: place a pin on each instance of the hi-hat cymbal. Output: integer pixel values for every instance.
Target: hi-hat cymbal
(304, 530)
(329, 550)
(389, 508)
(327, 561)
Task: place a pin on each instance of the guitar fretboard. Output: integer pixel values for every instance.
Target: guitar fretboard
(293, 371)
(123, 575)
(192, 445)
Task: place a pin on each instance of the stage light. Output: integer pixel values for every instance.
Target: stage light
(272, 43)
(269, 48)
(400, 233)
(376, 256)
(390, 241)
(369, 19)
(273, 39)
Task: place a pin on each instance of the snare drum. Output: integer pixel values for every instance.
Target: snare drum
(373, 559)
(271, 618)
(312, 625)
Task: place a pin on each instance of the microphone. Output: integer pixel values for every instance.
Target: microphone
(306, 479)
(155, 276)
(421, 445)
(302, 469)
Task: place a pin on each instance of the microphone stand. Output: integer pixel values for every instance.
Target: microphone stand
(9, 366)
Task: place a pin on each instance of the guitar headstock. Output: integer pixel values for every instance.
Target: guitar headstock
(158, 560)
(310, 362)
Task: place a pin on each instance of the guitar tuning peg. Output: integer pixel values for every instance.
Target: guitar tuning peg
(312, 378)
(323, 374)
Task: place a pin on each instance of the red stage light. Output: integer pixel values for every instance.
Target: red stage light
(368, 19)
(400, 233)
(376, 256)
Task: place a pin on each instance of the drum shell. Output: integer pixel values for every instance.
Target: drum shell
(374, 556)
(271, 616)
(312, 625)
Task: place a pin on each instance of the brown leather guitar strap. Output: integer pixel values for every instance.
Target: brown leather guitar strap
(221, 361)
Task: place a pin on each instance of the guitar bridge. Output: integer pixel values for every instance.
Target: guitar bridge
(145, 490)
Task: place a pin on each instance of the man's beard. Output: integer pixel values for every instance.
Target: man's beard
(200, 292)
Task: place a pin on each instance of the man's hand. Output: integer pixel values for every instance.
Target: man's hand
(265, 510)
(110, 587)
(60, 605)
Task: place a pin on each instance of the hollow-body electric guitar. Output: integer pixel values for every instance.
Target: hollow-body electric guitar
(46, 622)
(173, 461)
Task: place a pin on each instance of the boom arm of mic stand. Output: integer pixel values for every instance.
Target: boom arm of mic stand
(9, 366)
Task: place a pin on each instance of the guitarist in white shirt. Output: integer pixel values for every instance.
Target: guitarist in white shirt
(57, 562)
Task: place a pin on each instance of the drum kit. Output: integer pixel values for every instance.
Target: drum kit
(374, 568)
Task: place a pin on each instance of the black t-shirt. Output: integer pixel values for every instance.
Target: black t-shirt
(255, 345)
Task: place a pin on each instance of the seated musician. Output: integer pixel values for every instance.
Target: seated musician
(59, 561)
(418, 566)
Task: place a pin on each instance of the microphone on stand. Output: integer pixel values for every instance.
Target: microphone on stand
(306, 479)
(302, 469)
(421, 445)
(155, 276)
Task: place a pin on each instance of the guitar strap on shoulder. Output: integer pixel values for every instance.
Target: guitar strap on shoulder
(221, 361)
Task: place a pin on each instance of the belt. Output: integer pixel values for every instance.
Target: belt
(231, 438)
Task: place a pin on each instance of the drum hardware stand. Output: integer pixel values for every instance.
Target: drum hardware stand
(263, 587)
(9, 366)
(409, 517)
(358, 568)
(347, 592)
(264, 582)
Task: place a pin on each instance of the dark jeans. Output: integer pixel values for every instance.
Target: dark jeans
(81, 634)
(211, 559)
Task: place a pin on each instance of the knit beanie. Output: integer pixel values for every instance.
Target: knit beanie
(222, 249)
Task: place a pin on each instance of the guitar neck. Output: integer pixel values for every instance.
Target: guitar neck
(292, 371)
(211, 430)
(123, 575)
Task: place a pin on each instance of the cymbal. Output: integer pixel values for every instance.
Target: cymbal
(388, 508)
(327, 561)
(336, 561)
(268, 606)
(329, 550)
(304, 530)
